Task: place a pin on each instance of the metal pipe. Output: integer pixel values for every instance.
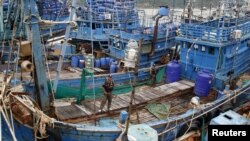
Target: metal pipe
(155, 36)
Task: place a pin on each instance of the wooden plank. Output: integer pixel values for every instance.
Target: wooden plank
(162, 93)
(122, 102)
(127, 99)
(179, 86)
(69, 112)
(117, 103)
(84, 109)
(166, 92)
(150, 94)
(162, 87)
(140, 98)
(189, 83)
(97, 105)
(143, 96)
(89, 106)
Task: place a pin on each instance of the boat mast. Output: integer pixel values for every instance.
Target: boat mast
(190, 6)
(37, 51)
(1, 16)
(134, 85)
(63, 50)
(248, 5)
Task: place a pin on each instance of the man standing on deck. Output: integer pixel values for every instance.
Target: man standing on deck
(108, 87)
(153, 75)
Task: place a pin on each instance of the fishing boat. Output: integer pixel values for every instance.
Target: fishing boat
(102, 36)
(52, 15)
(167, 111)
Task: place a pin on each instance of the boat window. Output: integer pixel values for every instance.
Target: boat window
(146, 48)
(211, 50)
(93, 25)
(118, 45)
(110, 25)
(110, 41)
(189, 45)
(105, 25)
(203, 48)
(98, 26)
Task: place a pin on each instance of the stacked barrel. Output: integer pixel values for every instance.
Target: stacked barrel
(114, 10)
(51, 9)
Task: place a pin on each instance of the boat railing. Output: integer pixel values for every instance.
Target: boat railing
(213, 34)
(125, 35)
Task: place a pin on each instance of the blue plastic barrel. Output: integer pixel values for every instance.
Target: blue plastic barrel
(111, 60)
(173, 71)
(123, 117)
(113, 68)
(97, 63)
(74, 61)
(81, 63)
(203, 83)
(164, 11)
(103, 62)
(108, 60)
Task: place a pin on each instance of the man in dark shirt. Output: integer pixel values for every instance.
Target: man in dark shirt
(108, 88)
(153, 75)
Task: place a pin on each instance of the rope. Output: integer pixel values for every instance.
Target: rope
(190, 122)
(8, 124)
(60, 13)
(3, 108)
(175, 132)
(53, 37)
(12, 37)
(40, 120)
(162, 138)
(15, 78)
(213, 108)
(123, 128)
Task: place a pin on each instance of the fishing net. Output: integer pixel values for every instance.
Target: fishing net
(85, 93)
(161, 111)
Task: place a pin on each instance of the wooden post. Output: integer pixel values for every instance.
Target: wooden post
(134, 84)
(37, 51)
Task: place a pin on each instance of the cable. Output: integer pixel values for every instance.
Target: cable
(190, 122)
(92, 47)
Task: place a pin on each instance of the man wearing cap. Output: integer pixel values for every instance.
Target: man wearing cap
(153, 75)
(108, 87)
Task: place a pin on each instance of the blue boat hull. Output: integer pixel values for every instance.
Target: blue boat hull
(62, 131)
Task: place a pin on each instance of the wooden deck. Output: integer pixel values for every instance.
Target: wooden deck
(177, 95)
(88, 110)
